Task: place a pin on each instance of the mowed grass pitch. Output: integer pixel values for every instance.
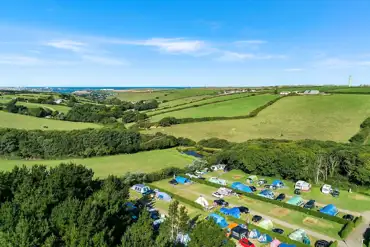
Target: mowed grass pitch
(231, 108)
(117, 164)
(18, 121)
(331, 117)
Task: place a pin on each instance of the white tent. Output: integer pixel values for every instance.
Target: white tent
(202, 201)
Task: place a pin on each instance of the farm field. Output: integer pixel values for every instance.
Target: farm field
(237, 107)
(186, 100)
(333, 117)
(18, 121)
(59, 108)
(350, 201)
(117, 164)
(193, 191)
(169, 94)
(352, 90)
(210, 99)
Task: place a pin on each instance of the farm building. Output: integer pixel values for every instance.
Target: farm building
(284, 93)
(218, 219)
(182, 180)
(329, 209)
(141, 188)
(278, 183)
(311, 92)
(241, 187)
(297, 201)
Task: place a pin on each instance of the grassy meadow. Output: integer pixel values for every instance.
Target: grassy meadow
(333, 117)
(59, 108)
(117, 164)
(18, 121)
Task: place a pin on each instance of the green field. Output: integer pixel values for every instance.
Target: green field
(183, 101)
(118, 164)
(59, 108)
(18, 121)
(350, 201)
(193, 191)
(333, 117)
(231, 108)
(161, 95)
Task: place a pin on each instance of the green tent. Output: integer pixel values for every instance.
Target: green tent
(252, 179)
(266, 224)
(297, 200)
(300, 236)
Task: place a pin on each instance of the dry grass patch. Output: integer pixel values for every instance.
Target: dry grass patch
(280, 212)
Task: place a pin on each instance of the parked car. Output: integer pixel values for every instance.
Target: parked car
(335, 193)
(278, 230)
(322, 243)
(310, 204)
(218, 195)
(173, 182)
(297, 191)
(349, 217)
(246, 243)
(220, 202)
(280, 197)
(254, 189)
(270, 186)
(262, 182)
(243, 209)
(256, 218)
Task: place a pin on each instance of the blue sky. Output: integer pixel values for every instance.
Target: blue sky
(183, 42)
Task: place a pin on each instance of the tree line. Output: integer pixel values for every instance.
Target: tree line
(345, 165)
(37, 144)
(66, 206)
(40, 112)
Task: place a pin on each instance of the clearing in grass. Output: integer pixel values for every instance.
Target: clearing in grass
(237, 107)
(331, 117)
(18, 121)
(118, 165)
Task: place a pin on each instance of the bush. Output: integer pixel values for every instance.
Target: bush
(281, 204)
(334, 244)
(214, 143)
(358, 221)
(346, 230)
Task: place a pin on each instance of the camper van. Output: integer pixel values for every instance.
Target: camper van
(302, 185)
(326, 189)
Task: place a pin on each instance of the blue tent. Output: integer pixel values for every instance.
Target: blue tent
(241, 187)
(163, 196)
(286, 245)
(234, 212)
(264, 239)
(182, 180)
(267, 193)
(218, 219)
(278, 183)
(254, 234)
(329, 209)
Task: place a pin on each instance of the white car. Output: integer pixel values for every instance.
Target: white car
(218, 195)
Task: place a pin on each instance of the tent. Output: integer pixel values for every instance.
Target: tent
(278, 183)
(286, 245)
(267, 193)
(182, 180)
(182, 238)
(202, 201)
(266, 224)
(300, 236)
(217, 181)
(224, 191)
(218, 219)
(275, 243)
(234, 212)
(241, 187)
(254, 234)
(239, 232)
(252, 179)
(296, 200)
(330, 210)
(163, 196)
(264, 239)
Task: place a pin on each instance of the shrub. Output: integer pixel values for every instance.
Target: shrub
(214, 143)
(334, 244)
(358, 221)
(346, 230)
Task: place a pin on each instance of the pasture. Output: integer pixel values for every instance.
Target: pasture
(117, 164)
(231, 108)
(192, 192)
(59, 108)
(333, 117)
(18, 121)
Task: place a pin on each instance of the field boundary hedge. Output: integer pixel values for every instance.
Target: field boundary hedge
(282, 238)
(207, 103)
(278, 203)
(363, 134)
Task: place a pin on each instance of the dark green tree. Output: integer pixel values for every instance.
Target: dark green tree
(140, 233)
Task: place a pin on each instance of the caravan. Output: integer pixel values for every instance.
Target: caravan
(326, 189)
(140, 188)
(302, 185)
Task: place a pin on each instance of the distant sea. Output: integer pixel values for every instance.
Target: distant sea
(72, 89)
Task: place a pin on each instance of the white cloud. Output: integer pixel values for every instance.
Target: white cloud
(229, 56)
(250, 42)
(70, 45)
(293, 69)
(19, 60)
(104, 60)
